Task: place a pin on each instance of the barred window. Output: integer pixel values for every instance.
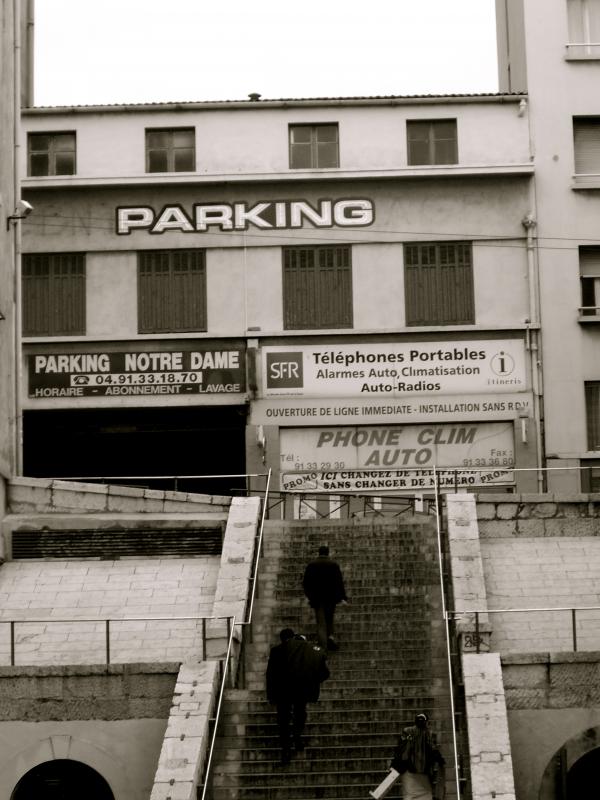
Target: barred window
(170, 150)
(314, 146)
(171, 291)
(438, 280)
(51, 154)
(432, 141)
(317, 287)
(53, 300)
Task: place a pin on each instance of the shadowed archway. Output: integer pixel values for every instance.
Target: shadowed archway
(62, 779)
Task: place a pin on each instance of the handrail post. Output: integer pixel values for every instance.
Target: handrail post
(107, 632)
(12, 643)
(203, 638)
(574, 626)
(477, 631)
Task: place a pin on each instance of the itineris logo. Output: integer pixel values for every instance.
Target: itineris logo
(285, 371)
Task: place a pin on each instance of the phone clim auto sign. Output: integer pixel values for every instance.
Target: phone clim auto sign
(189, 369)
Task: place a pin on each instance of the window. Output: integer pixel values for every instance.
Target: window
(589, 270)
(438, 281)
(314, 146)
(586, 137)
(51, 154)
(171, 291)
(592, 408)
(54, 294)
(317, 287)
(432, 141)
(584, 28)
(170, 150)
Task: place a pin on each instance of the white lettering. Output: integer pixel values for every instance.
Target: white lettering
(173, 218)
(138, 217)
(220, 215)
(353, 212)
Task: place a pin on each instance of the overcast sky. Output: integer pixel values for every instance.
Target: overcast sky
(122, 51)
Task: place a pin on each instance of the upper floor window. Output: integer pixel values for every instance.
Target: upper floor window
(51, 154)
(317, 287)
(438, 281)
(432, 141)
(584, 27)
(314, 146)
(589, 270)
(171, 291)
(170, 150)
(586, 137)
(53, 294)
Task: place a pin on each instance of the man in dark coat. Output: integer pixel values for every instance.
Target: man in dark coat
(323, 584)
(295, 671)
(418, 761)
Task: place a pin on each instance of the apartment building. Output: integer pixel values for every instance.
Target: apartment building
(341, 290)
(560, 71)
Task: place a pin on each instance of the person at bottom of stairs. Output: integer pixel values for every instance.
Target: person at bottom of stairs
(418, 763)
(295, 671)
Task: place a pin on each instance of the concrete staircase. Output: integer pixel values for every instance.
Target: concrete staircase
(391, 663)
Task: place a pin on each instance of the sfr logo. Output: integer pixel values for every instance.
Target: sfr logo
(284, 371)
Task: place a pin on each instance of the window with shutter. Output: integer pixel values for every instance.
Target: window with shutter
(586, 136)
(53, 294)
(314, 146)
(589, 270)
(171, 291)
(592, 407)
(438, 281)
(317, 287)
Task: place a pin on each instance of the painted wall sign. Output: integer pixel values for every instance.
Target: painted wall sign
(267, 215)
(394, 370)
(188, 369)
(395, 457)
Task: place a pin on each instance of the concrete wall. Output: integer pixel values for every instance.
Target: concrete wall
(543, 554)
(112, 719)
(255, 139)
(553, 701)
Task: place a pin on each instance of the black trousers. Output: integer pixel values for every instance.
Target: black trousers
(324, 618)
(291, 711)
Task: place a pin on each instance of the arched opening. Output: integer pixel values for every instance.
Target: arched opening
(583, 774)
(62, 779)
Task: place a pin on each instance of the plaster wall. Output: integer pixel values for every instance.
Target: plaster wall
(124, 752)
(255, 140)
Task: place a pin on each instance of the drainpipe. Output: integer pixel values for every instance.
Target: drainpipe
(18, 414)
(532, 344)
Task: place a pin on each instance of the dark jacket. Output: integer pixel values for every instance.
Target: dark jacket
(295, 671)
(323, 582)
(417, 752)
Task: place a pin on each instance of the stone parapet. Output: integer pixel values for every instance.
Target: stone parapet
(44, 495)
(537, 515)
(489, 743)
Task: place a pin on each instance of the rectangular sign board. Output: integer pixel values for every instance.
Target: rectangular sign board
(395, 457)
(188, 368)
(386, 370)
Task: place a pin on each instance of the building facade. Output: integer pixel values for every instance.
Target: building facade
(560, 71)
(343, 291)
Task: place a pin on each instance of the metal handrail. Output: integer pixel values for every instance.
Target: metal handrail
(257, 552)
(477, 612)
(447, 630)
(14, 622)
(225, 667)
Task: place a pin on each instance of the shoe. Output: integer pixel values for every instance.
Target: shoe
(332, 644)
(299, 744)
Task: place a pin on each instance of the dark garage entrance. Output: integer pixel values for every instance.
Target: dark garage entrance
(138, 442)
(62, 779)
